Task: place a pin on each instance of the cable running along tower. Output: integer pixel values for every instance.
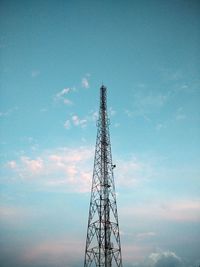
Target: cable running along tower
(103, 247)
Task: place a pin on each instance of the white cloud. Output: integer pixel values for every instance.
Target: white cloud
(12, 164)
(67, 124)
(63, 92)
(61, 96)
(85, 81)
(66, 101)
(164, 259)
(76, 121)
(160, 259)
(111, 111)
(79, 122)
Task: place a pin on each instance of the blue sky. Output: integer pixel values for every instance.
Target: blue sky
(55, 55)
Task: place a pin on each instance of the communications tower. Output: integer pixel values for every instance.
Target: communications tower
(103, 247)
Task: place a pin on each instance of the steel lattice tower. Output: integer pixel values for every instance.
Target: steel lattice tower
(103, 247)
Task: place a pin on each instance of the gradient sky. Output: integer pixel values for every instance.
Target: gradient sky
(55, 55)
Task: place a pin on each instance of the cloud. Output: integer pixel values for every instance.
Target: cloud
(76, 121)
(8, 112)
(85, 82)
(64, 169)
(164, 259)
(111, 112)
(161, 259)
(67, 124)
(79, 122)
(25, 165)
(63, 92)
(12, 164)
(32, 165)
(61, 96)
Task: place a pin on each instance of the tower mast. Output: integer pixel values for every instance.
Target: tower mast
(103, 248)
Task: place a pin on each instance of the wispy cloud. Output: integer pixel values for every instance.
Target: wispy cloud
(79, 122)
(146, 235)
(61, 96)
(111, 112)
(142, 256)
(12, 164)
(76, 121)
(85, 81)
(67, 124)
(8, 112)
(160, 259)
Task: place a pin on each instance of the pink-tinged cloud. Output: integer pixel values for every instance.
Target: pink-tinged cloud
(60, 169)
(32, 165)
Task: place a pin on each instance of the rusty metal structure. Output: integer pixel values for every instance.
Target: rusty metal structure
(103, 248)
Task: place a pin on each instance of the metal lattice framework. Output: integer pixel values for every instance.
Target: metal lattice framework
(103, 247)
